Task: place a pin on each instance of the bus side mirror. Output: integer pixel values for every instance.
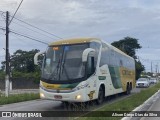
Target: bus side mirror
(36, 61)
(86, 52)
(88, 57)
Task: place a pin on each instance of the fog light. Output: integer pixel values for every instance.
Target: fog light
(78, 97)
(42, 95)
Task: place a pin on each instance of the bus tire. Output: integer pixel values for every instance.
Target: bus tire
(100, 98)
(128, 89)
(130, 86)
(65, 104)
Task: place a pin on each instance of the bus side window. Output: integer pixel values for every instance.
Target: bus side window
(113, 58)
(105, 55)
(121, 63)
(96, 47)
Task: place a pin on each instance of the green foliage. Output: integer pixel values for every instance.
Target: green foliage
(18, 98)
(129, 46)
(139, 69)
(34, 75)
(15, 74)
(22, 65)
(2, 75)
(147, 74)
(22, 61)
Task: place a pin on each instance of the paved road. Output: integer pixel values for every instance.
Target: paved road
(46, 105)
(34, 105)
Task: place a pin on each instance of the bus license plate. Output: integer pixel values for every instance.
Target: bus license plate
(57, 96)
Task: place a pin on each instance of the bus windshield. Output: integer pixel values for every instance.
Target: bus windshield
(62, 63)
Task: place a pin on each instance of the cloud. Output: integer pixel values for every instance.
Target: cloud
(8, 5)
(110, 20)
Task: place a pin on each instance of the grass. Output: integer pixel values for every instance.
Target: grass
(127, 104)
(18, 98)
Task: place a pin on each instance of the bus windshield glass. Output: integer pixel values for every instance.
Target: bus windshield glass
(62, 63)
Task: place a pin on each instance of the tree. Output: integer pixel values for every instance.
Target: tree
(139, 68)
(129, 46)
(22, 61)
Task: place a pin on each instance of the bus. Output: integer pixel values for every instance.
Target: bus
(84, 69)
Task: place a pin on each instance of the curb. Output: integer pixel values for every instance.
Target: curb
(139, 108)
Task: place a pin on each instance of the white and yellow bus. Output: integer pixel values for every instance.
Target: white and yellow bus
(84, 69)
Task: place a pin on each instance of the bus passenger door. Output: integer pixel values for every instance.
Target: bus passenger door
(91, 78)
(105, 77)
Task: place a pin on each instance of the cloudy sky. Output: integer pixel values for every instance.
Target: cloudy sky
(110, 20)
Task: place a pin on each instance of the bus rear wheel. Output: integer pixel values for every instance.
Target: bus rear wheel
(128, 90)
(100, 96)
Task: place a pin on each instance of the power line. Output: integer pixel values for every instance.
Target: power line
(32, 30)
(148, 60)
(2, 28)
(1, 12)
(15, 12)
(25, 36)
(35, 27)
(38, 28)
(29, 37)
(23, 40)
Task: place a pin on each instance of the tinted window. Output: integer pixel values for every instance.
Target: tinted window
(105, 55)
(96, 47)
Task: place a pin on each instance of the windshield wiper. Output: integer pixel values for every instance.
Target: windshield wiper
(54, 74)
(63, 67)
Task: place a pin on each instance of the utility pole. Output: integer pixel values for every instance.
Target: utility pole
(158, 68)
(7, 56)
(10, 74)
(157, 71)
(151, 67)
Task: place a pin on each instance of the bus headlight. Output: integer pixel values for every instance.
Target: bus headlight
(42, 95)
(78, 97)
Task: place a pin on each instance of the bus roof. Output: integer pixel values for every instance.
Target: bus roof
(85, 40)
(73, 41)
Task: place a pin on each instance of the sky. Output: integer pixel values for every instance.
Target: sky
(109, 20)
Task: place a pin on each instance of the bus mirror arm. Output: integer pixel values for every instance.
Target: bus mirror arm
(86, 53)
(36, 57)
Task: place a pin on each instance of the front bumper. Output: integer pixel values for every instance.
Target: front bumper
(74, 96)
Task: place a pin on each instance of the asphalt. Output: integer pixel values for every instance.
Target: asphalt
(47, 105)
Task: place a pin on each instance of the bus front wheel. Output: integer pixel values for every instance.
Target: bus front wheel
(100, 96)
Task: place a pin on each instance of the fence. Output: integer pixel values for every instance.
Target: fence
(21, 83)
